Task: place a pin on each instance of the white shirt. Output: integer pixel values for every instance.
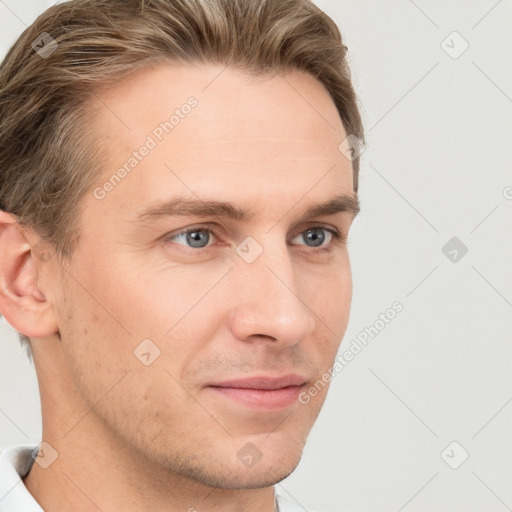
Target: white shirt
(15, 463)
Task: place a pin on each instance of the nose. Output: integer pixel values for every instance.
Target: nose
(269, 303)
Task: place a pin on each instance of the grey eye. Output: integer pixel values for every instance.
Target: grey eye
(315, 237)
(197, 238)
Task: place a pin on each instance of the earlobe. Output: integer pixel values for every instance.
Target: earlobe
(22, 302)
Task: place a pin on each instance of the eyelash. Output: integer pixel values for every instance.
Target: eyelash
(338, 238)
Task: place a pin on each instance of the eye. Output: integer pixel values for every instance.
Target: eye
(196, 238)
(317, 236)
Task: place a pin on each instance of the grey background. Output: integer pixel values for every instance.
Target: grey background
(436, 166)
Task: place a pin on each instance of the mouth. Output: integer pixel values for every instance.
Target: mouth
(261, 392)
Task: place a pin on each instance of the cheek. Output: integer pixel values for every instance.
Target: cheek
(329, 296)
(155, 299)
(94, 359)
(95, 314)
(328, 292)
(111, 310)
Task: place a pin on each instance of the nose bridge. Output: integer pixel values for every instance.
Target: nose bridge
(268, 300)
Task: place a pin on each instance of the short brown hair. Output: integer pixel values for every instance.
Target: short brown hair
(47, 161)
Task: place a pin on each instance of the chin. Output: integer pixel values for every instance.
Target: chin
(258, 482)
(220, 471)
(257, 477)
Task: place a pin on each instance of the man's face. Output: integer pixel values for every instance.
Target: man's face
(258, 297)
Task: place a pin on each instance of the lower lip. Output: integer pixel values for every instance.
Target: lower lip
(262, 398)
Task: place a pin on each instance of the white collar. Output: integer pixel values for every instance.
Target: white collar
(15, 463)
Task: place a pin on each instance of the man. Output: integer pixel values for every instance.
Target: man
(177, 182)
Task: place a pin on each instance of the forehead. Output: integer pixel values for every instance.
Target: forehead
(210, 126)
(221, 90)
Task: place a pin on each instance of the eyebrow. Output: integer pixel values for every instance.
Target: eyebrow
(182, 206)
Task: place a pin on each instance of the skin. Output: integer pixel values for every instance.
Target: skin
(136, 437)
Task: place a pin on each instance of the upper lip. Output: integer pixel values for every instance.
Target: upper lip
(262, 382)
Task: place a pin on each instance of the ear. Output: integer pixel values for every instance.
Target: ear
(22, 303)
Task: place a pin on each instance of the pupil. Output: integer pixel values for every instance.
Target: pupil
(317, 236)
(196, 238)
